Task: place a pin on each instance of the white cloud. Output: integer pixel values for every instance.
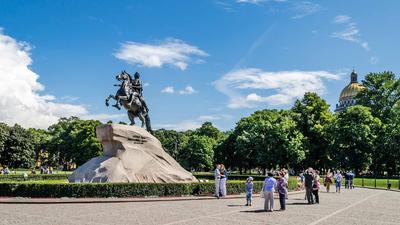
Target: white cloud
(20, 98)
(68, 98)
(194, 123)
(255, 2)
(168, 90)
(171, 51)
(285, 85)
(188, 90)
(339, 19)
(365, 45)
(350, 33)
(204, 118)
(181, 126)
(104, 117)
(373, 60)
(304, 8)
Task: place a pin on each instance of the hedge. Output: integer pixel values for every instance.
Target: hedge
(20, 177)
(230, 177)
(116, 189)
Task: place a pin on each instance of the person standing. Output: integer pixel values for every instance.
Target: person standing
(286, 177)
(222, 180)
(268, 191)
(346, 180)
(249, 191)
(351, 176)
(316, 186)
(217, 176)
(338, 178)
(328, 180)
(308, 184)
(282, 185)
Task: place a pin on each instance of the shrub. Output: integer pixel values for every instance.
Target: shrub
(77, 190)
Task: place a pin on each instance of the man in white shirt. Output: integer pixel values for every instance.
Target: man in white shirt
(217, 176)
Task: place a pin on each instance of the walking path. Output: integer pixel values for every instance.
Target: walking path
(358, 206)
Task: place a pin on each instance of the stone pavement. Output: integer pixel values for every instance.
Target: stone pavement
(359, 206)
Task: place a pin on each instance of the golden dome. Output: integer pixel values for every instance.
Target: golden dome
(350, 91)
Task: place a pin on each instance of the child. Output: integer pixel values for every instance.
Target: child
(249, 191)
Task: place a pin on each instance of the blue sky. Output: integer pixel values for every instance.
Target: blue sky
(211, 60)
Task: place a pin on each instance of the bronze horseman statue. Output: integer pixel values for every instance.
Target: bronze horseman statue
(130, 95)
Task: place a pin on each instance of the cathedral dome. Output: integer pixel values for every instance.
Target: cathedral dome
(350, 91)
(348, 94)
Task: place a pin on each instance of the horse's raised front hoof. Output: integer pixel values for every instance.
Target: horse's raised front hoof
(117, 106)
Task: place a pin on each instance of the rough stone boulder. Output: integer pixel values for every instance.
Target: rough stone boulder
(130, 154)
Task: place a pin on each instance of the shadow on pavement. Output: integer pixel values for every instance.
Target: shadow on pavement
(297, 203)
(254, 211)
(236, 205)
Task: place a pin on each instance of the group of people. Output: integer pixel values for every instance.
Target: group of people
(337, 178)
(277, 181)
(44, 170)
(312, 185)
(5, 171)
(221, 176)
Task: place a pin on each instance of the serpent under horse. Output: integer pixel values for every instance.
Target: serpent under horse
(130, 100)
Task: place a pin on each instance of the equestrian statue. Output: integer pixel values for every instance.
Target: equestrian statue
(130, 96)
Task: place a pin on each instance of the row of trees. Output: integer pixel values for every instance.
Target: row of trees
(365, 137)
(70, 141)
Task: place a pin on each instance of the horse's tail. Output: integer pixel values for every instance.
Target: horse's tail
(148, 124)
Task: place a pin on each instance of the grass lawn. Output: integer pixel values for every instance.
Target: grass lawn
(370, 182)
(37, 182)
(22, 171)
(380, 183)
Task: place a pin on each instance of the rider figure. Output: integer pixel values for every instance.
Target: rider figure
(138, 88)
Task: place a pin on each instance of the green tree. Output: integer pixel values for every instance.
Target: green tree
(353, 138)
(267, 139)
(382, 95)
(198, 153)
(74, 140)
(4, 134)
(207, 129)
(41, 139)
(19, 148)
(170, 140)
(313, 120)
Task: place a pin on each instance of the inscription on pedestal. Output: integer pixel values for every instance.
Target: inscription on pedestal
(137, 139)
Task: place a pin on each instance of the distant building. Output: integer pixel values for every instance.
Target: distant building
(347, 96)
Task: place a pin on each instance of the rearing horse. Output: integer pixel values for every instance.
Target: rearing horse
(130, 100)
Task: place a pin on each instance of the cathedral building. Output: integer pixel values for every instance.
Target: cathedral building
(347, 96)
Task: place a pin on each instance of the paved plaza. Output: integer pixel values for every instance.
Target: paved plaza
(359, 206)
